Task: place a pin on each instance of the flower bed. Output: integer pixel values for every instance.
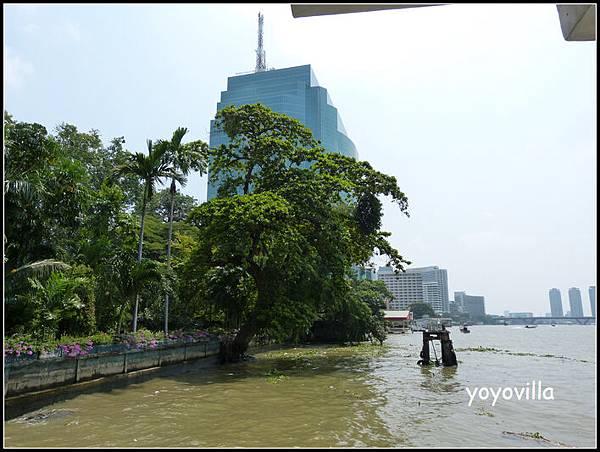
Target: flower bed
(19, 351)
(25, 348)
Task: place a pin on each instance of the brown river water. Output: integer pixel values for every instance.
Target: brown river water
(366, 396)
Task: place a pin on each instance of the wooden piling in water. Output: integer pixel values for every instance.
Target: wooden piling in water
(448, 355)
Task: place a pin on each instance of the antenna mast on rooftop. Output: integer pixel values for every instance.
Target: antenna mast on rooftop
(261, 62)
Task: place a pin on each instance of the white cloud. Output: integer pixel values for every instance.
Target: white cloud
(16, 69)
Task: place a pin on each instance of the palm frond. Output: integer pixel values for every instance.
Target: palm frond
(20, 188)
(172, 174)
(33, 271)
(178, 136)
(40, 269)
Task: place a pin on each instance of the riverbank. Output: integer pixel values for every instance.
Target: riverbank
(143, 366)
(32, 384)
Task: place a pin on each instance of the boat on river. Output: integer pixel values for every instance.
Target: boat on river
(530, 326)
(464, 329)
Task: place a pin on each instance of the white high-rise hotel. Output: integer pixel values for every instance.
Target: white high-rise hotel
(417, 285)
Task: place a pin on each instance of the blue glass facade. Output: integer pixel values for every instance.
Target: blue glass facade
(294, 92)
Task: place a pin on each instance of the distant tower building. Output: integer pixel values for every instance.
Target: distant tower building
(432, 296)
(592, 292)
(575, 302)
(453, 307)
(437, 280)
(556, 303)
(406, 288)
(459, 300)
(472, 304)
(292, 91)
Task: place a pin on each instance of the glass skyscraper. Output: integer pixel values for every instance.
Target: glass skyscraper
(292, 91)
(575, 302)
(555, 303)
(592, 292)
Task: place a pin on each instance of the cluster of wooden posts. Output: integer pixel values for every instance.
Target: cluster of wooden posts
(448, 355)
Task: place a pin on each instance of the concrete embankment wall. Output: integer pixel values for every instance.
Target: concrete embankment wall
(35, 375)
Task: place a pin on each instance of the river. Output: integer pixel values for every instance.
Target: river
(323, 396)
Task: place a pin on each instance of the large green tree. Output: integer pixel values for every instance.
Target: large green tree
(420, 310)
(292, 230)
(46, 196)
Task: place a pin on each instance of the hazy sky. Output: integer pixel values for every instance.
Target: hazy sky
(484, 113)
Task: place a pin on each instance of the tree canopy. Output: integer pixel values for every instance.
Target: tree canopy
(286, 222)
(420, 310)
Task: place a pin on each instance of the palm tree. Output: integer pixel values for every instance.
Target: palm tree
(149, 169)
(184, 158)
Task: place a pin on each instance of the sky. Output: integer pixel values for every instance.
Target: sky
(484, 114)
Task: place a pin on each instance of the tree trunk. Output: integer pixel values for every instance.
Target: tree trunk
(173, 191)
(120, 318)
(247, 181)
(233, 349)
(137, 296)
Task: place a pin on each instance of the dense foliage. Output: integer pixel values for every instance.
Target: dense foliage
(71, 234)
(357, 317)
(420, 310)
(93, 245)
